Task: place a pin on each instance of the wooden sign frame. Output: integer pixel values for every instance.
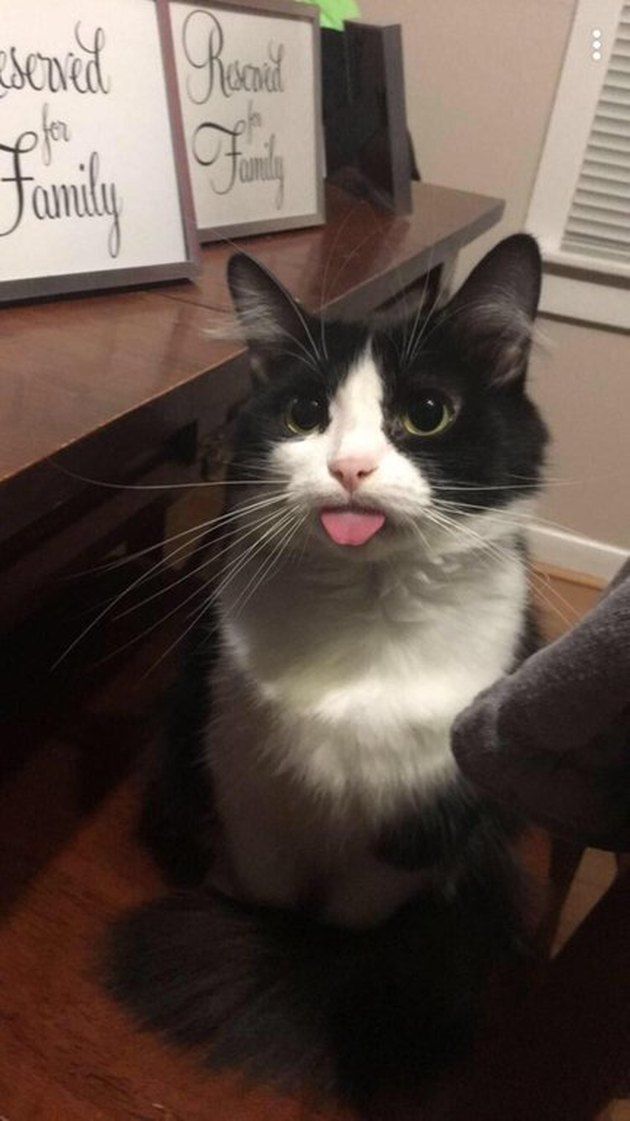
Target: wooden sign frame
(78, 108)
(219, 111)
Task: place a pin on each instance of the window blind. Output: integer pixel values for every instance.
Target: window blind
(598, 220)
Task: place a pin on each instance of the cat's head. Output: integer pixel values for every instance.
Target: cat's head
(372, 439)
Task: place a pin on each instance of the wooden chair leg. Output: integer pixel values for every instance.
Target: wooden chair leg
(564, 863)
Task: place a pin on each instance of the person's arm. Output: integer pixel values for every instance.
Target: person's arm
(552, 741)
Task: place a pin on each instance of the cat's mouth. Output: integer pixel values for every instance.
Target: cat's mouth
(351, 525)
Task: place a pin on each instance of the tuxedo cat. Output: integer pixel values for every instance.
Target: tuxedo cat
(348, 892)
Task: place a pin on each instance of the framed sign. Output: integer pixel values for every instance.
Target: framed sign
(93, 185)
(250, 89)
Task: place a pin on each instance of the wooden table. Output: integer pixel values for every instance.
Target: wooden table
(116, 387)
(126, 387)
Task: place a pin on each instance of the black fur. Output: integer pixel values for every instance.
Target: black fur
(280, 995)
(313, 1008)
(449, 826)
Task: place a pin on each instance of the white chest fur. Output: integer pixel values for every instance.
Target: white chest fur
(334, 699)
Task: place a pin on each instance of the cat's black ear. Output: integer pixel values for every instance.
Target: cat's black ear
(272, 322)
(492, 315)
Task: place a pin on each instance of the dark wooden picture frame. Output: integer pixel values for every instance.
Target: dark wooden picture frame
(368, 148)
(284, 10)
(61, 283)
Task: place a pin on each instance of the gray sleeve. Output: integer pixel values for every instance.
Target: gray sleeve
(552, 740)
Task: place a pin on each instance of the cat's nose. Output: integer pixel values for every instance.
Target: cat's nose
(351, 470)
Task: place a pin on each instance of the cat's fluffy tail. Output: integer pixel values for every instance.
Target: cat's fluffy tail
(304, 1006)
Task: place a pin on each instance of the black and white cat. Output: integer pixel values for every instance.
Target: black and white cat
(355, 890)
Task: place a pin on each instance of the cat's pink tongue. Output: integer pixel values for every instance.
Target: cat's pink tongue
(351, 527)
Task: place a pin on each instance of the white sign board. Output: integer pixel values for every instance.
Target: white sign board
(90, 191)
(249, 85)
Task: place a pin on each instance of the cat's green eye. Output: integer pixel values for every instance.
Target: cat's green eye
(304, 415)
(429, 414)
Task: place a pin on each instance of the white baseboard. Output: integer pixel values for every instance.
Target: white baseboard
(580, 554)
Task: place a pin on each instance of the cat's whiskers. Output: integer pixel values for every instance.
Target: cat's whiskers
(445, 560)
(193, 533)
(323, 293)
(423, 539)
(417, 336)
(541, 484)
(242, 560)
(489, 544)
(137, 638)
(206, 484)
(388, 239)
(251, 552)
(265, 570)
(519, 518)
(240, 512)
(191, 573)
(482, 487)
(200, 590)
(315, 352)
(384, 238)
(190, 547)
(410, 332)
(303, 360)
(411, 326)
(443, 317)
(434, 312)
(513, 322)
(541, 586)
(493, 548)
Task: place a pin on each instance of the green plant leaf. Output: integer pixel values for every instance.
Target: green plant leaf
(334, 13)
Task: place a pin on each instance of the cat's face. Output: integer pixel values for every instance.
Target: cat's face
(416, 436)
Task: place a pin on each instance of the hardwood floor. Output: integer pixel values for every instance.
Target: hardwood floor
(69, 863)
